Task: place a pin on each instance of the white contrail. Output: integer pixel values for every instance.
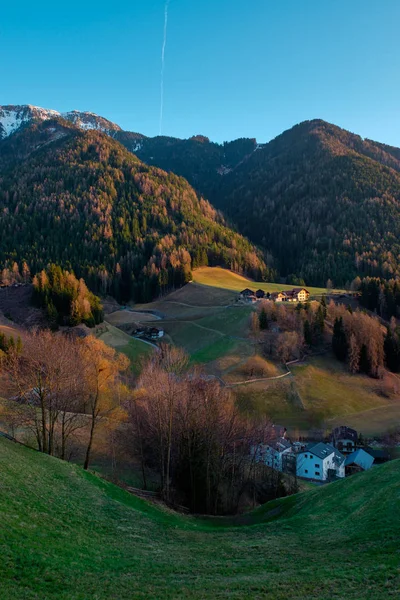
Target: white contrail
(162, 65)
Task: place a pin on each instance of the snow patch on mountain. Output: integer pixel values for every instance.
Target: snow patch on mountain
(10, 122)
(12, 118)
(89, 120)
(136, 147)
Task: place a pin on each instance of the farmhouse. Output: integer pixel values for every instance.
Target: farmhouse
(260, 294)
(358, 461)
(294, 295)
(155, 333)
(149, 332)
(279, 297)
(300, 294)
(272, 453)
(248, 295)
(297, 295)
(320, 462)
(344, 439)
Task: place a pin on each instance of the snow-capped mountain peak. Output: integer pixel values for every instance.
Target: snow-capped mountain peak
(13, 117)
(89, 120)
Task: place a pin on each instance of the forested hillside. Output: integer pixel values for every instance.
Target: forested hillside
(81, 200)
(199, 160)
(324, 201)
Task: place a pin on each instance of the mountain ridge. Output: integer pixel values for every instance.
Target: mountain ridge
(80, 199)
(14, 117)
(324, 202)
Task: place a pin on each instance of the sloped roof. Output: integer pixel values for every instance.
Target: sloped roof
(280, 445)
(323, 450)
(361, 458)
(344, 433)
(377, 452)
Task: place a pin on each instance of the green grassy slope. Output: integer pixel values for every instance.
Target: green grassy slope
(223, 278)
(136, 350)
(67, 535)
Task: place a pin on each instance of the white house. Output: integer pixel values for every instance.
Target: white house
(320, 462)
(272, 453)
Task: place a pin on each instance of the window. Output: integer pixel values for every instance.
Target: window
(316, 466)
(317, 472)
(306, 471)
(305, 456)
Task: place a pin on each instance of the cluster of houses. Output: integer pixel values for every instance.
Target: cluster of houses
(295, 295)
(319, 461)
(152, 333)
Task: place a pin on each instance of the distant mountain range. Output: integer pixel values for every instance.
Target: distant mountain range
(321, 202)
(13, 118)
(197, 159)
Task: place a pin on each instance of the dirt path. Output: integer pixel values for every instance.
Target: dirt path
(364, 412)
(146, 342)
(218, 306)
(196, 325)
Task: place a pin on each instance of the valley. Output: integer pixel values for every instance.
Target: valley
(200, 301)
(157, 329)
(205, 319)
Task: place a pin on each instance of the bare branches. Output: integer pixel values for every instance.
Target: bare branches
(188, 428)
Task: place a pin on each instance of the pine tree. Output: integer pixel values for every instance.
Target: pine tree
(392, 351)
(323, 304)
(263, 320)
(307, 333)
(365, 366)
(3, 342)
(339, 341)
(18, 346)
(320, 320)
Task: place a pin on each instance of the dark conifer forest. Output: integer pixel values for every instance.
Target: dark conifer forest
(322, 201)
(318, 202)
(82, 201)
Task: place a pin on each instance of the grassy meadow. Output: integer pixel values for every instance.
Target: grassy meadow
(225, 279)
(68, 535)
(214, 329)
(136, 350)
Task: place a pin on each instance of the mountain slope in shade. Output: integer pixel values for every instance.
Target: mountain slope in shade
(323, 200)
(81, 200)
(199, 160)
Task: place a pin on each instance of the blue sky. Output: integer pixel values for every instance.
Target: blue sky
(232, 68)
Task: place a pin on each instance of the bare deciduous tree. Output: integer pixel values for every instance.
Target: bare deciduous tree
(101, 366)
(41, 384)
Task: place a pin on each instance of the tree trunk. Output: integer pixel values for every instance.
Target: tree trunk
(63, 437)
(89, 446)
(169, 451)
